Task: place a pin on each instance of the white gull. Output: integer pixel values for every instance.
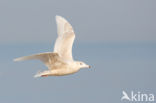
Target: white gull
(60, 62)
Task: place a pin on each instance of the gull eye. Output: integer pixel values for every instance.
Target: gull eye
(80, 63)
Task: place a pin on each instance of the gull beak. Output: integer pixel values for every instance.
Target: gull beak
(89, 66)
(86, 66)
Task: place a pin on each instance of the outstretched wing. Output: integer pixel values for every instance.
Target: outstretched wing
(47, 58)
(66, 36)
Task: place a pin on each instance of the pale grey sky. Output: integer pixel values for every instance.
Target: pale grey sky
(100, 20)
(102, 24)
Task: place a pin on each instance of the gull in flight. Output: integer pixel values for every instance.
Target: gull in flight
(59, 62)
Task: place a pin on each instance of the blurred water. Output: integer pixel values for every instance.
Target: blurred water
(115, 67)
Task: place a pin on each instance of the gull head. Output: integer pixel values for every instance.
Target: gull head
(82, 65)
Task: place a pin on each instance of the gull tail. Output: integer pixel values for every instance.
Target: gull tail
(42, 74)
(37, 75)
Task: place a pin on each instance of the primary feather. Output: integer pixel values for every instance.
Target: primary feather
(66, 36)
(46, 58)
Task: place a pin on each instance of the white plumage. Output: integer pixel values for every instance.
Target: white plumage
(60, 62)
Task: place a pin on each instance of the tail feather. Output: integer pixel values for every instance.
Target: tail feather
(37, 75)
(42, 74)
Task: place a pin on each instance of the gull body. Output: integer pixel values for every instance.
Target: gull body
(60, 62)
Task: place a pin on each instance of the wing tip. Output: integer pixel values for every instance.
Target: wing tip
(60, 18)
